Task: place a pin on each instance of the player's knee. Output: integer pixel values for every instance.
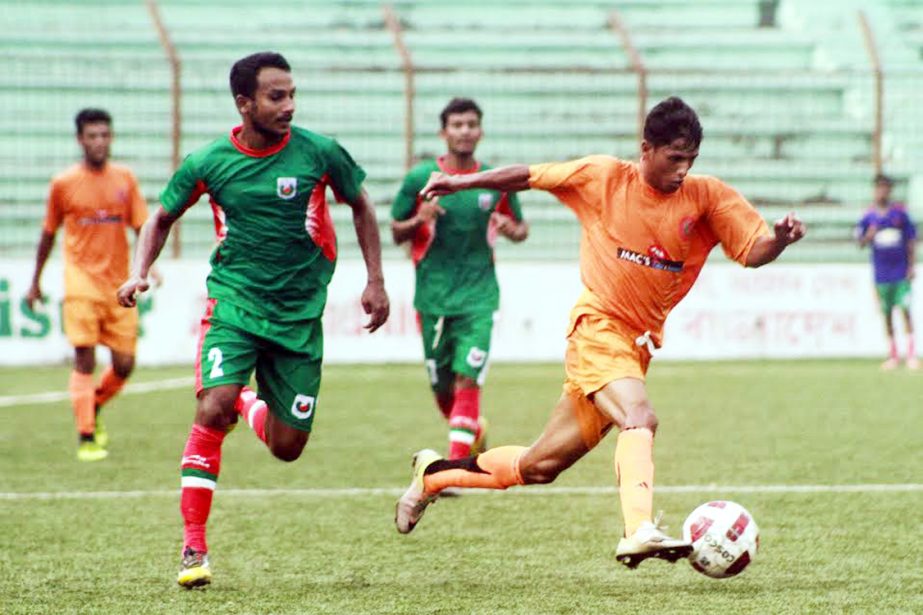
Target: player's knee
(124, 367)
(215, 411)
(286, 452)
(641, 415)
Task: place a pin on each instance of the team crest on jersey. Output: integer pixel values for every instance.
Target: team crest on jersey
(485, 201)
(286, 187)
(476, 357)
(303, 407)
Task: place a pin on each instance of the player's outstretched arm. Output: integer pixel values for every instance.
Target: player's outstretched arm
(767, 248)
(374, 298)
(512, 178)
(45, 243)
(151, 240)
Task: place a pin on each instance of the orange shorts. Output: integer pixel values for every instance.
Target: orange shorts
(599, 351)
(88, 323)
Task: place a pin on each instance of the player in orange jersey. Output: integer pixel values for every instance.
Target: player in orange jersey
(95, 200)
(647, 229)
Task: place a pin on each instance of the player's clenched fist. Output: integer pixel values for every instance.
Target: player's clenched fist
(789, 229)
(129, 291)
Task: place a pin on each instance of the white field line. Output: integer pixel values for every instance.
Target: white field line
(52, 397)
(348, 492)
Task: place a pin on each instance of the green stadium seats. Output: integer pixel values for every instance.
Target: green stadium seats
(787, 110)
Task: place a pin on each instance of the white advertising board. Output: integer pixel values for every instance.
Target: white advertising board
(774, 312)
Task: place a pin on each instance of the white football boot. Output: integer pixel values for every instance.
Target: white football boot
(650, 541)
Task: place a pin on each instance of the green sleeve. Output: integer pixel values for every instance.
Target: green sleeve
(183, 189)
(345, 175)
(405, 203)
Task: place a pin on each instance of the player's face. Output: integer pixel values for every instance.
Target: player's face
(273, 104)
(462, 132)
(665, 166)
(882, 192)
(95, 139)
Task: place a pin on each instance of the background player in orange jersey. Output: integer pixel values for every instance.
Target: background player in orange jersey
(95, 200)
(647, 229)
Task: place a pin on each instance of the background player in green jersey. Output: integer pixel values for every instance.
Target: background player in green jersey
(267, 287)
(456, 287)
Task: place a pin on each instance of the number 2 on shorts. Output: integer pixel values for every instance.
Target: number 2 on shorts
(214, 355)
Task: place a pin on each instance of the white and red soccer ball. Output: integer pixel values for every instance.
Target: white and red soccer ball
(724, 538)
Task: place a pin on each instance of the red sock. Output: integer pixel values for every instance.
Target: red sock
(199, 470)
(911, 351)
(892, 350)
(253, 410)
(109, 385)
(463, 422)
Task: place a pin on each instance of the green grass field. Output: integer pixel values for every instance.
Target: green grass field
(319, 536)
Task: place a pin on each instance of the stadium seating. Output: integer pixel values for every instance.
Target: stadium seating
(786, 106)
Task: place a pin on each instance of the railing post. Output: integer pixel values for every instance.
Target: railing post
(872, 48)
(176, 98)
(394, 25)
(637, 65)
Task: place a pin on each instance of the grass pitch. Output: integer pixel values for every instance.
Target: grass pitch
(317, 536)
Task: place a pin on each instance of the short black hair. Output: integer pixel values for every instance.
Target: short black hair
(881, 178)
(459, 105)
(672, 119)
(245, 71)
(91, 115)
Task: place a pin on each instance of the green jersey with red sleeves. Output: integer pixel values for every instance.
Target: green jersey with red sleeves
(276, 247)
(454, 256)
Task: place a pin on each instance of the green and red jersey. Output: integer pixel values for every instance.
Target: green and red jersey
(454, 257)
(276, 247)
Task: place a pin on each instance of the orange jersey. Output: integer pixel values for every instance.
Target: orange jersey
(640, 249)
(95, 207)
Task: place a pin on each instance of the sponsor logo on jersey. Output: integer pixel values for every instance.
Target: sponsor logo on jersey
(303, 406)
(485, 201)
(656, 258)
(286, 187)
(476, 357)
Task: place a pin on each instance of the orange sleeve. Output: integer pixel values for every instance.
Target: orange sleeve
(53, 211)
(574, 183)
(138, 215)
(734, 221)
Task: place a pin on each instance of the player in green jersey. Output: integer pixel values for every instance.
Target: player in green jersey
(456, 287)
(267, 287)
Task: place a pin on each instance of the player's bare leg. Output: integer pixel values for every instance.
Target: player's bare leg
(625, 401)
(559, 447)
(892, 361)
(912, 361)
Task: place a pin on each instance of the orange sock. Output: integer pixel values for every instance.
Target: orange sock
(81, 390)
(498, 468)
(634, 469)
(109, 385)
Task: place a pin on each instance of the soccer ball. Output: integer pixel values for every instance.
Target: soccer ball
(724, 538)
